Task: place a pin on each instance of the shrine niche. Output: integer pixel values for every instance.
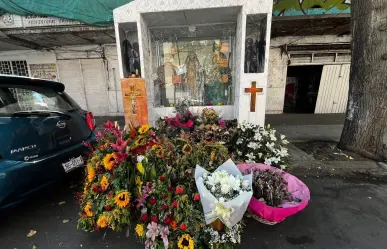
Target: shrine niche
(255, 43)
(205, 52)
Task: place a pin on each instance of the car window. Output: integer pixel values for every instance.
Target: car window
(15, 99)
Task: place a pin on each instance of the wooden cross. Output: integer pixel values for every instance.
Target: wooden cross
(253, 90)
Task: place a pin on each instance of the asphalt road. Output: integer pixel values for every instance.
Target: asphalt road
(340, 215)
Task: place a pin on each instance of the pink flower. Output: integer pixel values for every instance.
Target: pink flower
(120, 157)
(120, 145)
(164, 236)
(108, 125)
(88, 145)
(100, 134)
(222, 123)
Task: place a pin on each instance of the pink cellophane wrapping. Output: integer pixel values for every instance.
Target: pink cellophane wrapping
(277, 214)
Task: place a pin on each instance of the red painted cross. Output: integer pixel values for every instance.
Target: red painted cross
(253, 90)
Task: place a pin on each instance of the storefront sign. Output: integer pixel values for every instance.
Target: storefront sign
(8, 21)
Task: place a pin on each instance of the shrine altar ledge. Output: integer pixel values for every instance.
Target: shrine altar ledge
(211, 53)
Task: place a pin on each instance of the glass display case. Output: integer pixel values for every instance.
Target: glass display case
(194, 65)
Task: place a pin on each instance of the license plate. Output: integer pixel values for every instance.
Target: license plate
(73, 163)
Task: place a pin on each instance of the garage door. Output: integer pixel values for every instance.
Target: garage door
(85, 82)
(333, 91)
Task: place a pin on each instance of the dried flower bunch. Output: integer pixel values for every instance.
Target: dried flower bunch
(270, 187)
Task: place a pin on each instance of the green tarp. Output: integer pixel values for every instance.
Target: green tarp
(93, 12)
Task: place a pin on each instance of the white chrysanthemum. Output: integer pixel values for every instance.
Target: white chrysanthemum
(268, 161)
(225, 189)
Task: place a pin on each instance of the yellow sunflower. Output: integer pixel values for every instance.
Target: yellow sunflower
(156, 147)
(140, 168)
(140, 230)
(104, 183)
(144, 128)
(102, 221)
(186, 242)
(88, 210)
(138, 181)
(109, 161)
(160, 153)
(187, 149)
(90, 172)
(122, 199)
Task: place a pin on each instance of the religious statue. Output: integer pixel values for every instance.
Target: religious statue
(131, 57)
(193, 76)
(250, 57)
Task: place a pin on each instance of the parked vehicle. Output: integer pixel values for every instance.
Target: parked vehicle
(42, 131)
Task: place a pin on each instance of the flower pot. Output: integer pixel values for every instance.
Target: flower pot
(271, 215)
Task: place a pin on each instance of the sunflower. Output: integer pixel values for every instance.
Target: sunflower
(186, 242)
(187, 149)
(90, 172)
(144, 128)
(102, 221)
(156, 147)
(140, 230)
(160, 153)
(122, 199)
(140, 168)
(88, 210)
(140, 141)
(109, 161)
(104, 183)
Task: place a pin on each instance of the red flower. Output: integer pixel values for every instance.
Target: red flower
(167, 221)
(150, 185)
(175, 204)
(165, 207)
(152, 201)
(196, 197)
(133, 133)
(108, 208)
(170, 188)
(162, 178)
(155, 219)
(144, 217)
(164, 195)
(179, 190)
(183, 227)
(95, 188)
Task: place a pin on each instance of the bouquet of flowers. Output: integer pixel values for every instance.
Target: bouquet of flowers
(277, 194)
(255, 144)
(225, 193)
(270, 187)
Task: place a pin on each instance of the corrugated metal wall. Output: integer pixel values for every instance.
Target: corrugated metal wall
(333, 91)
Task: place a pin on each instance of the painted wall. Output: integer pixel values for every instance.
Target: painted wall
(310, 7)
(278, 64)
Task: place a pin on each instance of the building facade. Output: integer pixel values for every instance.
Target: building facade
(84, 58)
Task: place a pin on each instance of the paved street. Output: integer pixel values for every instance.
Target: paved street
(341, 215)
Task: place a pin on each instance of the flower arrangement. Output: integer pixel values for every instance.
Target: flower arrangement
(270, 187)
(149, 177)
(110, 177)
(225, 197)
(255, 144)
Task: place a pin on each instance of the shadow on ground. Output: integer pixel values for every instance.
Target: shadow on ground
(341, 214)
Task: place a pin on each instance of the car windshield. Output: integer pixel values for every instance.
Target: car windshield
(16, 99)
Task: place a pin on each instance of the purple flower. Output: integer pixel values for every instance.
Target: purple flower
(153, 231)
(222, 123)
(164, 235)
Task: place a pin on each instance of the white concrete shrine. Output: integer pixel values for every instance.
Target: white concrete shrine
(199, 23)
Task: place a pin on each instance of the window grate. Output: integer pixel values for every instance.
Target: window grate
(19, 68)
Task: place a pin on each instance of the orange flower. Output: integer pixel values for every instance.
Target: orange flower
(104, 183)
(160, 153)
(174, 225)
(109, 161)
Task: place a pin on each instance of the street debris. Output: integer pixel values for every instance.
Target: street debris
(31, 233)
